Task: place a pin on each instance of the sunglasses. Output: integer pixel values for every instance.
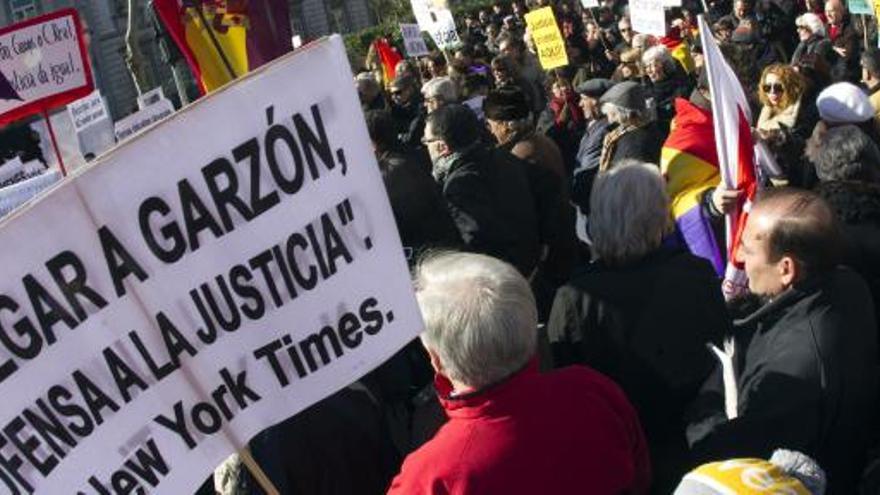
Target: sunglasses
(775, 88)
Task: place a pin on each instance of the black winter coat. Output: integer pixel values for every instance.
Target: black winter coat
(643, 144)
(857, 207)
(806, 374)
(419, 210)
(646, 326)
(488, 194)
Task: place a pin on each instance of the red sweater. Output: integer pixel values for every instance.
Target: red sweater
(570, 431)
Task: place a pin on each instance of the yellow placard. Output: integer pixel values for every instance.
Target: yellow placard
(545, 33)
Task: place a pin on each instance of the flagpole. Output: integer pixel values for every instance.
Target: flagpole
(215, 42)
(259, 475)
(54, 142)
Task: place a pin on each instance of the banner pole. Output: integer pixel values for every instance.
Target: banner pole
(257, 472)
(214, 42)
(54, 142)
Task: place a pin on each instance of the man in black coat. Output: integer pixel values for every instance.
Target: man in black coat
(419, 209)
(803, 374)
(408, 110)
(486, 190)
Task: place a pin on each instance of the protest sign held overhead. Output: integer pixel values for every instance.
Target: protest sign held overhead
(435, 17)
(443, 31)
(545, 33)
(202, 281)
(648, 17)
(43, 64)
(413, 41)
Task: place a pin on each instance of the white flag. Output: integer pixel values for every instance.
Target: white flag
(733, 138)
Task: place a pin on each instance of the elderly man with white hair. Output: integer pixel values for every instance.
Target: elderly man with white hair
(512, 430)
(439, 91)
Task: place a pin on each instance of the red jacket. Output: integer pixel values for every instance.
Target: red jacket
(570, 431)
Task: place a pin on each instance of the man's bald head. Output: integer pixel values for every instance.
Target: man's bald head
(797, 224)
(835, 10)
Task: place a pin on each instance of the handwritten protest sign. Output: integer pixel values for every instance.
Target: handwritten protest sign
(413, 41)
(648, 17)
(443, 31)
(435, 17)
(200, 282)
(43, 64)
(87, 111)
(548, 39)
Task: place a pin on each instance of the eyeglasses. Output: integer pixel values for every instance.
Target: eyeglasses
(626, 30)
(805, 28)
(775, 88)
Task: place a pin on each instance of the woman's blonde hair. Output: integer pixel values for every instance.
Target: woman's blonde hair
(793, 85)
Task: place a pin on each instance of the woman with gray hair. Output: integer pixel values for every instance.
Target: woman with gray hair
(668, 81)
(813, 40)
(642, 312)
(511, 429)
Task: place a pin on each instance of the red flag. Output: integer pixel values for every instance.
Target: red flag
(389, 57)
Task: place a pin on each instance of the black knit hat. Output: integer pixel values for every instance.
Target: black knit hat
(508, 103)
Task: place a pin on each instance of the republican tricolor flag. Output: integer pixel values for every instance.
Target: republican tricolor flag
(733, 138)
(689, 163)
(225, 39)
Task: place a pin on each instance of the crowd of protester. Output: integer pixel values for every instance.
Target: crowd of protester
(574, 342)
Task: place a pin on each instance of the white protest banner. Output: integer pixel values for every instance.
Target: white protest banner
(590, 4)
(142, 119)
(648, 17)
(412, 40)
(43, 64)
(152, 96)
(87, 111)
(200, 282)
(672, 3)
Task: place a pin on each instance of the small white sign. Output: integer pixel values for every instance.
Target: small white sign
(87, 111)
(648, 17)
(443, 30)
(412, 40)
(152, 96)
(142, 119)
